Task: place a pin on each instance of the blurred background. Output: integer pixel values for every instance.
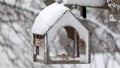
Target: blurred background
(16, 44)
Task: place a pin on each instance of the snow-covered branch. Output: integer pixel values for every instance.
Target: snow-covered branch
(21, 7)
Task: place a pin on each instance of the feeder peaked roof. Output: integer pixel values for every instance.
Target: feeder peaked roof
(59, 15)
(48, 17)
(94, 3)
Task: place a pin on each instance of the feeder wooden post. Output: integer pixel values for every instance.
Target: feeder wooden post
(37, 44)
(78, 53)
(46, 50)
(34, 54)
(84, 12)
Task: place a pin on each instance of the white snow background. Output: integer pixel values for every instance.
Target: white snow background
(16, 45)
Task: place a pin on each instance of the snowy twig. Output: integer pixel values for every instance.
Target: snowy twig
(22, 7)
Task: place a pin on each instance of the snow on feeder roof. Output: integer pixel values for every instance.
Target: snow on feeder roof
(96, 3)
(48, 17)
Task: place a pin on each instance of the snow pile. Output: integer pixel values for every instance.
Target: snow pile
(86, 2)
(48, 17)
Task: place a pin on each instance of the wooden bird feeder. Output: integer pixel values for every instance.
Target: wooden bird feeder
(65, 41)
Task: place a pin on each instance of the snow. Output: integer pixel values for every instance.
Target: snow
(24, 6)
(112, 18)
(86, 2)
(61, 57)
(10, 1)
(47, 17)
(103, 27)
(118, 43)
(76, 12)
